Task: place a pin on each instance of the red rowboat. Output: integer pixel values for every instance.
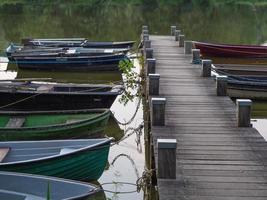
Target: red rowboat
(233, 51)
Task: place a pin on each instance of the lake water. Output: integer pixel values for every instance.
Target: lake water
(241, 23)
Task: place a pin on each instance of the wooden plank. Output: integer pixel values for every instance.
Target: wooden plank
(15, 122)
(3, 153)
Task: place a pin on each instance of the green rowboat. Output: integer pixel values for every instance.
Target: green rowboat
(40, 125)
(79, 159)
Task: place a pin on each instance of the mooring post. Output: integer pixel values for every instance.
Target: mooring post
(158, 111)
(145, 32)
(181, 40)
(187, 47)
(148, 53)
(153, 82)
(144, 27)
(147, 44)
(221, 85)
(173, 28)
(145, 37)
(206, 68)
(195, 56)
(167, 158)
(177, 34)
(243, 112)
(150, 66)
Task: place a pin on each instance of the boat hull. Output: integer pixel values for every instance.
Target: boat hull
(88, 128)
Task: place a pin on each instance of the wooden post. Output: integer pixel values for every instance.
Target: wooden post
(173, 28)
(187, 47)
(158, 111)
(206, 68)
(243, 112)
(221, 85)
(150, 66)
(167, 158)
(145, 37)
(145, 32)
(195, 56)
(147, 44)
(177, 34)
(148, 53)
(153, 82)
(144, 27)
(181, 40)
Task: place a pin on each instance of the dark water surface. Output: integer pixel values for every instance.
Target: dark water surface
(241, 23)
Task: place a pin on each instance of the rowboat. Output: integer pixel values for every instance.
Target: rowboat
(34, 95)
(232, 51)
(76, 42)
(13, 51)
(83, 160)
(242, 70)
(39, 125)
(18, 186)
(51, 61)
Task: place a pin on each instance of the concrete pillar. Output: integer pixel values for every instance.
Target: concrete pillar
(145, 37)
(173, 28)
(147, 44)
(206, 68)
(144, 27)
(181, 40)
(195, 56)
(221, 85)
(153, 82)
(148, 53)
(177, 34)
(150, 66)
(158, 111)
(187, 47)
(167, 158)
(243, 112)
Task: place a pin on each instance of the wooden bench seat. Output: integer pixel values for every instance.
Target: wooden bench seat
(3, 153)
(15, 122)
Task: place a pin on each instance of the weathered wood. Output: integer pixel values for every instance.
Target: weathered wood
(167, 158)
(181, 40)
(15, 122)
(221, 85)
(196, 56)
(144, 27)
(145, 37)
(177, 35)
(149, 53)
(213, 155)
(158, 111)
(153, 82)
(206, 68)
(150, 66)
(147, 44)
(243, 112)
(145, 32)
(3, 153)
(187, 47)
(173, 28)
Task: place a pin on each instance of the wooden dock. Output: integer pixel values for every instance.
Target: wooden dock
(215, 159)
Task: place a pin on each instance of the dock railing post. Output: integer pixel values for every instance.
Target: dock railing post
(206, 68)
(181, 40)
(147, 44)
(153, 82)
(145, 27)
(177, 34)
(243, 112)
(221, 85)
(167, 158)
(145, 37)
(196, 56)
(173, 28)
(150, 66)
(187, 47)
(145, 32)
(158, 111)
(148, 53)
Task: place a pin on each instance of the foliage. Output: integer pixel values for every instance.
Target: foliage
(131, 82)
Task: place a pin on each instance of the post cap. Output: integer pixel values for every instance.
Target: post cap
(173, 26)
(154, 76)
(181, 36)
(195, 50)
(167, 143)
(145, 32)
(151, 60)
(206, 61)
(149, 49)
(243, 102)
(156, 100)
(221, 78)
(145, 27)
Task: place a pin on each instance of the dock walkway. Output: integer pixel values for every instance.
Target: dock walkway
(215, 160)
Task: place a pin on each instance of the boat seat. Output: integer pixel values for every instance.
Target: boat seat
(66, 150)
(3, 153)
(15, 122)
(45, 88)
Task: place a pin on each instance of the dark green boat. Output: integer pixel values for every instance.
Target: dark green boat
(39, 125)
(79, 159)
